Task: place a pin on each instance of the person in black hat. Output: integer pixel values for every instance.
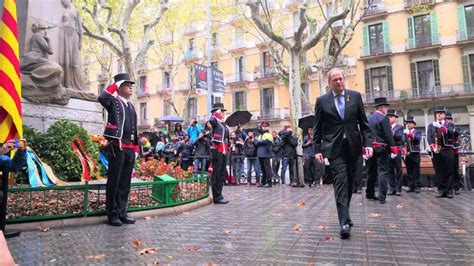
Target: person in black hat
(396, 176)
(341, 133)
(440, 132)
(412, 139)
(219, 151)
(456, 146)
(121, 132)
(384, 149)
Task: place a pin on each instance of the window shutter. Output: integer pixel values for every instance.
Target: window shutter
(386, 37)
(262, 100)
(411, 33)
(367, 83)
(366, 50)
(434, 28)
(389, 79)
(436, 72)
(462, 32)
(466, 72)
(244, 63)
(237, 74)
(414, 77)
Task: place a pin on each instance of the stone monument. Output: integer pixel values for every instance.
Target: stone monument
(52, 82)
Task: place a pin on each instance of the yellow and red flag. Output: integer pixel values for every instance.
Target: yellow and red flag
(10, 84)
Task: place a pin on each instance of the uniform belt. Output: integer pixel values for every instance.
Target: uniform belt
(124, 145)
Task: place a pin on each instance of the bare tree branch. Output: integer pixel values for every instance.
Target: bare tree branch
(255, 11)
(107, 40)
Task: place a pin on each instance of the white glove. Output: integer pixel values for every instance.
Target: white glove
(119, 83)
(406, 131)
(436, 124)
(393, 155)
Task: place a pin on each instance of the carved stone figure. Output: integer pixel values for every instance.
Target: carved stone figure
(70, 43)
(41, 78)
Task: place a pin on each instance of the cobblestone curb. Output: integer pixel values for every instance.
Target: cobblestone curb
(81, 221)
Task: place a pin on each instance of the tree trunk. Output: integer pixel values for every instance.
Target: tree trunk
(295, 107)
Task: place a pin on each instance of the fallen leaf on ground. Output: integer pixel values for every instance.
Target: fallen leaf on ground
(147, 218)
(328, 238)
(96, 257)
(375, 215)
(148, 251)
(169, 257)
(400, 206)
(137, 243)
(369, 232)
(459, 230)
(323, 227)
(53, 260)
(298, 228)
(191, 249)
(393, 226)
(227, 231)
(44, 229)
(301, 203)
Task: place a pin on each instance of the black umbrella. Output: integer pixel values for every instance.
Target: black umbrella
(238, 118)
(152, 137)
(306, 122)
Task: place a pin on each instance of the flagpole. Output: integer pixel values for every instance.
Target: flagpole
(209, 58)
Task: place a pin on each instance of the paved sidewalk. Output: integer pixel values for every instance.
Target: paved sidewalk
(277, 225)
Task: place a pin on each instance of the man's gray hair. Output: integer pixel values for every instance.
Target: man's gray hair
(333, 70)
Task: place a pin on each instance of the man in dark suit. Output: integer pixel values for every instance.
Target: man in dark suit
(121, 132)
(412, 138)
(396, 176)
(341, 131)
(440, 135)
(384, 149)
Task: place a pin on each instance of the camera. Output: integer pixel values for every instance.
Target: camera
(19, 143)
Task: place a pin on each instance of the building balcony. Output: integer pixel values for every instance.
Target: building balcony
(163, 90)
(238, 78)
(376, 51)
(465, 36)
(272, 114)
(375, 11)
(414, 3)
(444, 91)
(184, 86)
(143, 92)
(423, 43)
(192, 55)
(267, 73)
(238, 46)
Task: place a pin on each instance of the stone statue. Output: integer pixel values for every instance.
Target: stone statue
(41, 78)
(70, 43)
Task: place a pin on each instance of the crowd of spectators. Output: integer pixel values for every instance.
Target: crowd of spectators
(257, 156)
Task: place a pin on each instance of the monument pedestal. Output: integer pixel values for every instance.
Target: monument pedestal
(86, 114)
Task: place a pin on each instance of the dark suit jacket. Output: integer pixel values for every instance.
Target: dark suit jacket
(380, 126)
(444, 140)
(397, 132)
(329, 127)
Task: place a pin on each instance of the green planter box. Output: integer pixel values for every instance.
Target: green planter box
(163, 192)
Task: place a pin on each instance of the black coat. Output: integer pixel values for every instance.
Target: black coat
(116, 114)
(397, 132)
(202, 147)
(288, 143)
(381, 130)
(444, 140)
(329, 127)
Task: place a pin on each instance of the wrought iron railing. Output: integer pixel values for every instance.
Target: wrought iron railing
(45, 203)
(466, 34)
(424, 41)
(413, 3)
(375, 9)
(378, 49)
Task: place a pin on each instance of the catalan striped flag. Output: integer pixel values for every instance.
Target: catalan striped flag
(10, 84)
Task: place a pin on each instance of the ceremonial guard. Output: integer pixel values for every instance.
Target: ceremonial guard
(219, 151)
(440, 136)
(396, 176)
(121, 132)
(384, 149)
(456, 147)
(411, 151)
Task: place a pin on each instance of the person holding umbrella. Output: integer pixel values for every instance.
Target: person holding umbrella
(219, 151)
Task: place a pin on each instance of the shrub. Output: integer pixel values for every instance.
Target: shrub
(56, 149)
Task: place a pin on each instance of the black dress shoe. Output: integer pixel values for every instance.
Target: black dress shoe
(398, 193)
(382, 201)
(350, 223)
(114, 221)
(345, 231)
(441, 195)
(411, 190)
(457, 191)
(371, 197)
(221, 201)
(392, 193)
(267, 185)
(127, 220)
(417, 190)
(450, 195)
